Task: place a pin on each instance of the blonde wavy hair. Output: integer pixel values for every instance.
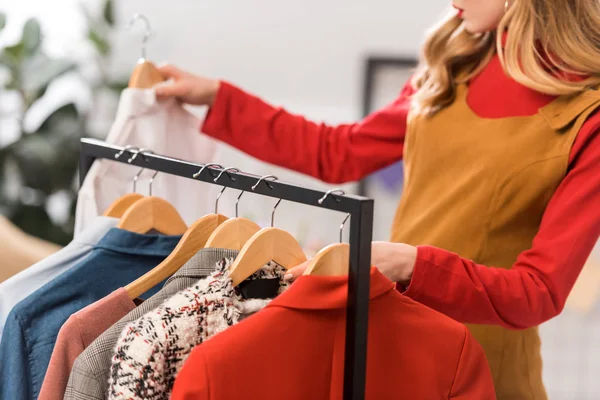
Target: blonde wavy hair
(547, 40)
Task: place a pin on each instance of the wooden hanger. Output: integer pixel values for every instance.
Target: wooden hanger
(268, 244)
(194, 239)
(152, 213)
(118, 208)
(333, 260)
(145, 75)
(233, 233)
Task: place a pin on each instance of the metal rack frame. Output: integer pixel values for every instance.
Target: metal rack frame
(361, 231)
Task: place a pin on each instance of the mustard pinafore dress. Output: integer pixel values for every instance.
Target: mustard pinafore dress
(478, 187)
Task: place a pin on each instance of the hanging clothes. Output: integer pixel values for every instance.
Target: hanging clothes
(164, 127)
(21, 285)
(91, 370)
(81, 329)
(294, 349)
(151, 350)
(33, 324)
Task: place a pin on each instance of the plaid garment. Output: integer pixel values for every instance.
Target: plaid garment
(151, 351)
(90, 373)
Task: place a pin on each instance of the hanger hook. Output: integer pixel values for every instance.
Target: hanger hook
(138, 151)
(224, 187)
(147, 33)
(331, 192)
(209, 165)
(342, 226)
(151, 182)
(232, 169)
(137, 176)
(273, 213)
(126, 148)
(135, 179)
(267, 179)
(237, 202)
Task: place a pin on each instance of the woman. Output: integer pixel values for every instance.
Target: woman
(499, 133)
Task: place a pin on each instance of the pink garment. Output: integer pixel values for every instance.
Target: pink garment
(80, 330)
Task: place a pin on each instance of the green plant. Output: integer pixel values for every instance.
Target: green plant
(39, 165)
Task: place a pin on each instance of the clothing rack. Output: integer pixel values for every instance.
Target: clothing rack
(361, 232)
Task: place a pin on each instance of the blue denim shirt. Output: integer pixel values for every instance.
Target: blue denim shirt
(32, 325)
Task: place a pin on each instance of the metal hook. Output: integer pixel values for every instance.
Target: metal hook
(135, 179)
(331, 192)
(265, 178)
(209, 165)
(273, 213)
(236, 204)
(126, 148)
(236, 170)
(217, 200)
(151, 182)
(224, 187)
(137, 176)
(142, 151)
(342, 226)
(147, 33)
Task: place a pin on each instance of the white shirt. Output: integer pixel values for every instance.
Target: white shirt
(166, 128)
(21, 285)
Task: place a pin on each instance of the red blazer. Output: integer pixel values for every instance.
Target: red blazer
(294, 349)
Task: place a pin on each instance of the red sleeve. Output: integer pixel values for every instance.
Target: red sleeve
(537, 286)
(473, 379)
(192, 381)
(334, 154)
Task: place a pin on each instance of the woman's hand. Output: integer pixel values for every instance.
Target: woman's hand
(187, 87)
(394, 260)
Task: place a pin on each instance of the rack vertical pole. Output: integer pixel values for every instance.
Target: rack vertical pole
(357, 322)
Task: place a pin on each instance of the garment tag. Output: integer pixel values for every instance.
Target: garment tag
(259, 288)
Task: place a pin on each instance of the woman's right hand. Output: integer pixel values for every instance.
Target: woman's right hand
(187, 87)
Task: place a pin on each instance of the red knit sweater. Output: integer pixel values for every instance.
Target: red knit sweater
(537, 286)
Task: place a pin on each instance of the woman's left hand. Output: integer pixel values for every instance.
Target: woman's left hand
(394, 260)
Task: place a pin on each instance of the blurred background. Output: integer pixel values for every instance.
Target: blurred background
(64, 63)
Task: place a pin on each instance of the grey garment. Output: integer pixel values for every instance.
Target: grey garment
(91, 370)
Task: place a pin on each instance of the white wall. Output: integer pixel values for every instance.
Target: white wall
(295, 52)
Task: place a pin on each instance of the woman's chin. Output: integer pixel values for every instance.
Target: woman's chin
(475, 28)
